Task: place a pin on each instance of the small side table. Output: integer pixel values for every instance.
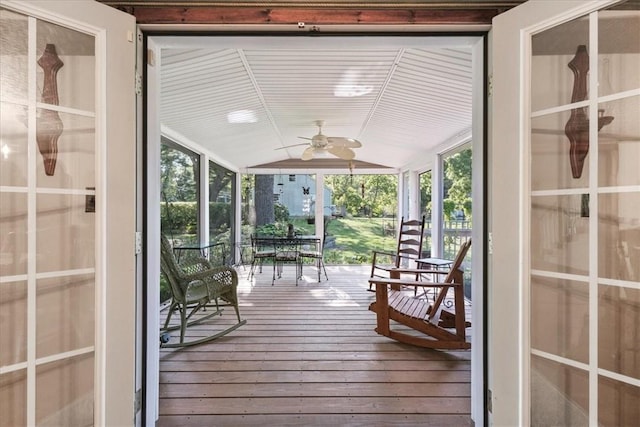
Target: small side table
(434, 264)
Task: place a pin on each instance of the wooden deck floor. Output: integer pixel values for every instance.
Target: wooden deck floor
(308, 356)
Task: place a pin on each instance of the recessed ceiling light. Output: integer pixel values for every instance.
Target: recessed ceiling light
(349, 91)
(242, 116)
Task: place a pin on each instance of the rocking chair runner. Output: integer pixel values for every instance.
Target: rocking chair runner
(431, 320)
(196, 287)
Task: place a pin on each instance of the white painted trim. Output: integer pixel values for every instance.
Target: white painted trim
(238, 217)
(65, 355)
(319, 205)
(477, 235)
(67, 110)
(524, 236)
(560, 359)
(561, 276)
(593, 219)
(437, 192)
(13, 368)
(153, 236)
(203, 191)
(31, 227)
(620, 283)
(618, 377)
(619, 189)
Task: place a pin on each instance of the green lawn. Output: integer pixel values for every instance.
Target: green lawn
(352, 240)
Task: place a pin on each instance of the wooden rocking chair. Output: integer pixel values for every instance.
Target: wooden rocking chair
(431, 320)
(195, 287)
(409, 249)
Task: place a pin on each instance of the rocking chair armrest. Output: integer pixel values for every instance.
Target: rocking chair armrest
(195, 291)
(384, 281)
(419, 271)
(385, 253)
(212, 273)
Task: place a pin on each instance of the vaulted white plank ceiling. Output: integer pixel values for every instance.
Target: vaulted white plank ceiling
(246, 100)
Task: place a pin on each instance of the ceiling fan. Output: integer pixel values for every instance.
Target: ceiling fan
(337, 145)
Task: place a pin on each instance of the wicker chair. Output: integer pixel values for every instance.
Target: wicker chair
(196, 286)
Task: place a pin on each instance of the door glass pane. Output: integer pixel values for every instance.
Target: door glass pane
(64, 392)
(560, 392)
(13, 234)
(560, 317)
(13, 64)
(618, 49)
(13, 322)
(551, 155)
(69, 329)
(66, 233)
(560, 225)
(74, 150)
(13, 143)
(619, 143)
(13, 398)
(552, 81)
(66, 67)
(618, 330)
(619, 236)
(617, 403)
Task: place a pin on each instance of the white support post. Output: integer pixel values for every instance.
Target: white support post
(237, 239)
(204, 199)
(437, 194)
(319, 207)
(414, 195)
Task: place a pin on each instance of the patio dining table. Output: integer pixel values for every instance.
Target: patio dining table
(286, 250)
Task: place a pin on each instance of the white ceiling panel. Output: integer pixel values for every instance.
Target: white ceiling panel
(245, 103)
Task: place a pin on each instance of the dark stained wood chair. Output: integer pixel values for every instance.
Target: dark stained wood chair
(408, 250)
(436, 326)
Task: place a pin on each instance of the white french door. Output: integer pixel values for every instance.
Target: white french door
(67, 214)
(565, 191)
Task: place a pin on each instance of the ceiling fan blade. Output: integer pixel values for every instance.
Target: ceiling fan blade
(307, 154)
(289, 146)
(304, 137)
(339, 141)
(344, 153)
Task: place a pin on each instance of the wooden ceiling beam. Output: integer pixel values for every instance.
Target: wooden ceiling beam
(195, 13)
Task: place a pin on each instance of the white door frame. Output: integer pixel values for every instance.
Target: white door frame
(153, 183)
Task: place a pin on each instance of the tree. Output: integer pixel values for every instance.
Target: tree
(178, 171)
(264, 200)
(457, 174)
(425, 193)
(219, 179)
(371, 195)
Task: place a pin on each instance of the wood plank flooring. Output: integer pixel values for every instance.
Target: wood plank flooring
(309, 356)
